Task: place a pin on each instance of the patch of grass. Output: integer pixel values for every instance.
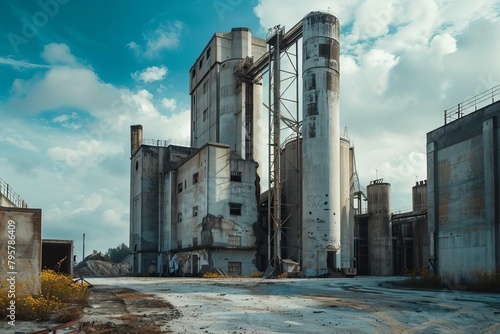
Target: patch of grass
(478, 281)
(60, 299)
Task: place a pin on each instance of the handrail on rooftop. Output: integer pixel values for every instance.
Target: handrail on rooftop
(11, 195)
(480, 100)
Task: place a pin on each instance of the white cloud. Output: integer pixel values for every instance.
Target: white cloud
(169, 104)
(19, 64)
(150, 74)
(165, 37)
(402, 63)
(58, 54)
(16, 138)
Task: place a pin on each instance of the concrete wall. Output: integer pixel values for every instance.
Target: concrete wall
(221, 260)
(463, 169)
(4, 201)
(212, 195)
(27, 247)
(379, 229)
(220, 101)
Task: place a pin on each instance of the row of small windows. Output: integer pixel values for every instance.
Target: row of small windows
(200, 64)
(195, 180)
(235, 177)
(233, 240)
(234, 210)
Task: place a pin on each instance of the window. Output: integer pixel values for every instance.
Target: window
(179, 187)
(236, 176)
(234, 240)
(195, 241)
(209, 50)
(185, 186)
(179, 217)
(205, 87)
(179, 244)
(205, 112)
(193, 74)
(234, 268)
(195, 211)
(201, 63)
(195, 178)
(235, 209)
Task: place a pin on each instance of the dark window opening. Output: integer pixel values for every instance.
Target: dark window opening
(312, 130)
(195, 211)
(235, 209)
(312, 109)
(234, 240)
(209, 50)
(234, 268)
(195, 178)
(179, 217)
(179, 187)
(205, 112)
(236, 176)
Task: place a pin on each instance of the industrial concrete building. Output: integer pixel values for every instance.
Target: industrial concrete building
(20, 228)
(202, 201)
(463, 189)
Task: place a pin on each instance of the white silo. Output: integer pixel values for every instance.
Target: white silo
(321, 148)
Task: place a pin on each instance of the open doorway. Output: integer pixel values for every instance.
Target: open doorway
(331, 262)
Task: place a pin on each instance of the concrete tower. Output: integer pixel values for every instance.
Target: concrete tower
(321, 148)
(379, 228)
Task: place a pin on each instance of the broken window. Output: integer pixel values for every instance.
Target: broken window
(195, 211)
(234, 240)
(235, 176)
(195, 178)
(234, 268)
(235, 209)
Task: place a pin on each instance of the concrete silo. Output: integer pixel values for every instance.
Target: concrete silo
(346, 206)
(379, 228)
(321, 147)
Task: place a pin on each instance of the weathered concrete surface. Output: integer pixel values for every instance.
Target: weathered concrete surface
(21, 230)
(463, 188)
(340, 305)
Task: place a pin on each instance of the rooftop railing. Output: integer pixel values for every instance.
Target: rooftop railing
(11, 195)
(470, 105)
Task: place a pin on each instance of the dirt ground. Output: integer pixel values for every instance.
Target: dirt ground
(248, 305)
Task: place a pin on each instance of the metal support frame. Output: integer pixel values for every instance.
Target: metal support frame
(283, 115)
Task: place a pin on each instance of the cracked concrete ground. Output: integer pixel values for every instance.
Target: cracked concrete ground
(249, 305)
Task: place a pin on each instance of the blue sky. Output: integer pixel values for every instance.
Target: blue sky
(76, 74)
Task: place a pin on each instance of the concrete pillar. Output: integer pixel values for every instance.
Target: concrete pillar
(135, 138)
(490, 193)
(432, 200)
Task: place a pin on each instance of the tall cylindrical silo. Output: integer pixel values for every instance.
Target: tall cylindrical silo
(379, 228)
(321, 147)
